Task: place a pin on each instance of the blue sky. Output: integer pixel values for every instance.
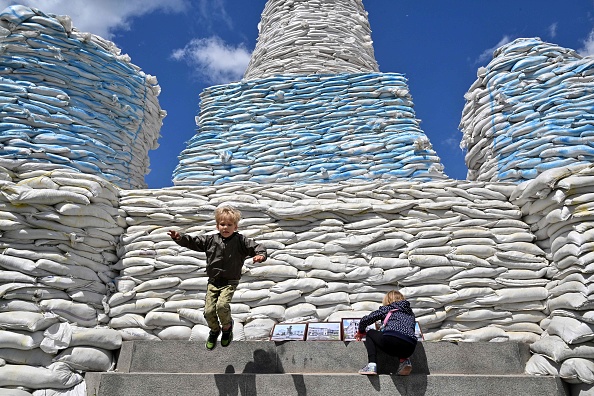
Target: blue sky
(439, 45)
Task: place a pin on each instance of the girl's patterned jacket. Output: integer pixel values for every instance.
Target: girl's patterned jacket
(401, 323)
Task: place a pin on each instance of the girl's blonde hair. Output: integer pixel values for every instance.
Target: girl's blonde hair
(392, 296)
(227, 212)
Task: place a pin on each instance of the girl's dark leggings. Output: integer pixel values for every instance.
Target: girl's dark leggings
(391, 345)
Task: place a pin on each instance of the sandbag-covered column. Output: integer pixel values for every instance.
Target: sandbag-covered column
(58, 233)
(530, 110)
(71, 100)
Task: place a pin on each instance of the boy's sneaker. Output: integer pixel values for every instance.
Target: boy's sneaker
(211, 341)
(369, 370)
(227, 336)
(405, 367)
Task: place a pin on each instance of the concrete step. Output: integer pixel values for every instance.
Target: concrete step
(270, 357)
(158, 384)
(318, 368)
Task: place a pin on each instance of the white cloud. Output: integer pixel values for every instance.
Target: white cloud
(101, 17)
(215, 60)
(588, 48)
(214, 11)
(487, 54)
(553, 30)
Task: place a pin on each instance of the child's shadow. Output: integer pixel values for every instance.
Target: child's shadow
(263, 363)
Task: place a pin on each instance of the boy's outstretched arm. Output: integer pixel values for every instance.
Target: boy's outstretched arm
(174, 235)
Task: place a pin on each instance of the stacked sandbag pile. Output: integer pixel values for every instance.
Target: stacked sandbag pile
(312, 37)
(308, 129)
(457, 249)
(70, 100)
(558, 205)
(58, 234)
(312, 107)
(529, 110)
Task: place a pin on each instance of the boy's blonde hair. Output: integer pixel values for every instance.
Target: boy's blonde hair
(227, 212)
(392, 296)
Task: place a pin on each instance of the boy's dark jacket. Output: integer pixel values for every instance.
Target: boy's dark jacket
(401, 323)
(224, 256)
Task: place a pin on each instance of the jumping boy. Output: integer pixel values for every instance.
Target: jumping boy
(225, 255)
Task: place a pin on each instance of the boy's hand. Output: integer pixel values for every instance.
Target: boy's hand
(359, 336)
(176, 236)
(259, 258)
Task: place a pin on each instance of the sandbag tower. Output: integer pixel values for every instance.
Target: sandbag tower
(312, 107)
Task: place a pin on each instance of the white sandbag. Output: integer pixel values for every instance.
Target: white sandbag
(135, 333)
(575, 301)
(305, 285)
(56, 337)
(100, 337)
(33, 357)
(82, 314)
(86, 358)
(193, 315)
(388, 263)
(136, 306)
(576, 370)
(522, 336)
(77, 390)
(276, 312)
(540, 365)
(485, 334)
(164, 319)
(129, 320)
(155, 284)
(442, 334)
(571, 330)
(18, 339)
(15, 392)
(182, 333)
(391, 276)
(243, 295)
(300, 310)
(258, 329)
(58, 375)
(506, 296)
(269, 271)
(478, 315)
(198, 283)
(29, 321)
(557, 350)
(324, 311)
(327, 299)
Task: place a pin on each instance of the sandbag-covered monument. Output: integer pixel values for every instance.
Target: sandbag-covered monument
(325, 157)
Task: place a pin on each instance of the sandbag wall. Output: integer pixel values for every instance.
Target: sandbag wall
(308, 129)
(71, 100)
(557, 205)
(459, 250)
(58, 235)
(312, 37)
(529, 110)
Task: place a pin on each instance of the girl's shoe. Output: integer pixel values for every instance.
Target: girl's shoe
(405, 367)
(369, 370)
(211, 341)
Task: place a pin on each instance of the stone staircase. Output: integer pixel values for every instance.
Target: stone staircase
(328, 368)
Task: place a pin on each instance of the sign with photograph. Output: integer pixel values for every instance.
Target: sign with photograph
(289, 332)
